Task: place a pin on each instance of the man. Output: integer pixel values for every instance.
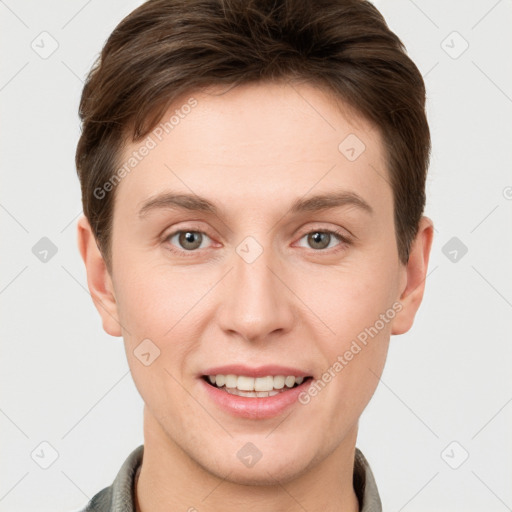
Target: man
(253, 178)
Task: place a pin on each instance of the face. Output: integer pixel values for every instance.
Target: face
(256, 238)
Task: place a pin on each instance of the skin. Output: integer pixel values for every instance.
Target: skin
(253, 151)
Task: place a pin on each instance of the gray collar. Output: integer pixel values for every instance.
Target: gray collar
(365, 485)
(119, 496)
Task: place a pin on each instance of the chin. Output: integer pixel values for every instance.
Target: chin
(268, 467)
(263, 473)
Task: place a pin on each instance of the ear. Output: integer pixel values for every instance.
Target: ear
(415, 274)
(98, 279)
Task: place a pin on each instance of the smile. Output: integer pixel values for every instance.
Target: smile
(254, 387)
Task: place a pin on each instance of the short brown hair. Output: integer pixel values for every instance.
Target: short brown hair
(166, 48)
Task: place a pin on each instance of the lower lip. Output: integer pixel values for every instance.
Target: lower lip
(254, 407)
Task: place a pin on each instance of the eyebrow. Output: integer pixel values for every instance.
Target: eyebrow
(195, 203)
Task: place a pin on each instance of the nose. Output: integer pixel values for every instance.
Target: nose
(256, 303)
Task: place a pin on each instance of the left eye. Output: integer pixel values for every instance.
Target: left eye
(322, 239)
(189, 240)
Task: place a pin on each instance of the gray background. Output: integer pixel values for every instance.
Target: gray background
(446, 392)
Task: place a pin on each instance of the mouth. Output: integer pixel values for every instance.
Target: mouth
(255, 387)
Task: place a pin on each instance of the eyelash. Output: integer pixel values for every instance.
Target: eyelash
(345, 241)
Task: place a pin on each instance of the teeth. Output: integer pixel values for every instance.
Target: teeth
(254, 386)
(289, 381)
(279, 382)
(246, 384)
(253, 394)
(261, 383)
(231, 381)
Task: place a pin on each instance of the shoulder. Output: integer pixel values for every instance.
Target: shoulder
(118, 497)
(365, 485)
(100, 502)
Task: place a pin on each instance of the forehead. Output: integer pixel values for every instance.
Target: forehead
(262, 141)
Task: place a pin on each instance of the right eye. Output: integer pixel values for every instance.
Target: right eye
(187, 240)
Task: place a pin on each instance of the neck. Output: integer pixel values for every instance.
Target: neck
(170, 479)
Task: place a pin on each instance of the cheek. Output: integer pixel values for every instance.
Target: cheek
(354, 360)
(155, 310)
(154, 299)
(356, 311)
(147, 308)
(349, 301)
(166, 306)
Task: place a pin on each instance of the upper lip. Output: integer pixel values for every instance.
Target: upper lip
(259, 371)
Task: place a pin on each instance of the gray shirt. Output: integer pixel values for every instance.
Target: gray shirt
(119, 497)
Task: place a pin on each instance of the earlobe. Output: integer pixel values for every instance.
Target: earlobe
(99, 280)
(415, 276)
